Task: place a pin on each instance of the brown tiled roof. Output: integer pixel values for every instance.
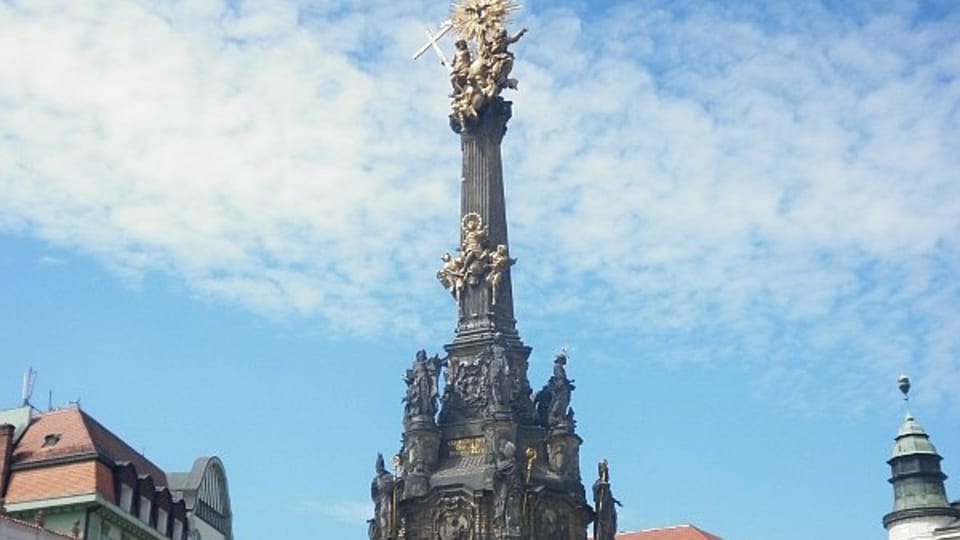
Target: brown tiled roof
(79, 435)
(679, 532)
(75, 463)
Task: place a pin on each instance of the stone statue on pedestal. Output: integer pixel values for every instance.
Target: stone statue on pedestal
(605, 523)
(508, 491)
(383, 493)
(553, 400)
(422, 388)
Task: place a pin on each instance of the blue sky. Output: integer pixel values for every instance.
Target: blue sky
(220, 224)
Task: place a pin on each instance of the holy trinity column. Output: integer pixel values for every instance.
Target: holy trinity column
(482, 456)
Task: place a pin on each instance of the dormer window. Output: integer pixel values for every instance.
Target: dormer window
(144, 509)
(162, 521)
(126, 497)
(50, 440)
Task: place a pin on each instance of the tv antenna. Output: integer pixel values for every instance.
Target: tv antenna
(29, 378)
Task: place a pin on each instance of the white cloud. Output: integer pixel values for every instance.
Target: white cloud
(787, 188)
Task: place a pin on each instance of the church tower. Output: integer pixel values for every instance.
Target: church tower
(920, 504)
(483, 457)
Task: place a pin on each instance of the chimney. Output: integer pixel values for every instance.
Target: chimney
(6, 453)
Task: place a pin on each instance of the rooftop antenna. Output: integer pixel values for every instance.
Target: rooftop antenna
(903, 382)
(29, 378)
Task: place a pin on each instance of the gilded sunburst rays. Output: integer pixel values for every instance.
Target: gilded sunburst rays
(472, 19)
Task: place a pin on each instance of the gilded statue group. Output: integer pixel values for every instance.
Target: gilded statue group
(476, 79)
(476, 262)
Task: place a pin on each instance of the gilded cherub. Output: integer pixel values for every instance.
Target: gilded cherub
(451, 274)
(499, 261)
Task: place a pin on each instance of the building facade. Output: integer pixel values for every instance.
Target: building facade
(14, 529)
(204, 492)
(68, 470)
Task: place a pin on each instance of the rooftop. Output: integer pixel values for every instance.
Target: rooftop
(677, 532)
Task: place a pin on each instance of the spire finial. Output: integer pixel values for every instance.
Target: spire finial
(904, 384)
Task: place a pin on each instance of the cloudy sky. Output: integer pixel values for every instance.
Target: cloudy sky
(742, 217)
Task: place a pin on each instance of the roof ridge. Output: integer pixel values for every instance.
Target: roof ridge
(677, 526)
(97, 444)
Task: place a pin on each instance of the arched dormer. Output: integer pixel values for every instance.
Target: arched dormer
(206, 494)
(163, 502)
(213, 498)
(125, 477)
(146, 489)
(178, 520)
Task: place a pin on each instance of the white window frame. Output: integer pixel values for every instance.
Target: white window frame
(126, 497)
(145, 504)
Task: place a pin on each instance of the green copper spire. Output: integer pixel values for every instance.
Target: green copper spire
(916, 476)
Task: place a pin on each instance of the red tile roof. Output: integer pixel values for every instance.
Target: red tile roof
(79, 435)
(74, 463)
(679, 532)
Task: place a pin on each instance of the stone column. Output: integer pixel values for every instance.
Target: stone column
(482, 193)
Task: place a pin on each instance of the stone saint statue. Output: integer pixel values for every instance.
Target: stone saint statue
(422, 393)
(605, 525)
(508, 490)
(499, 379)
(382, 492)
(560, 389)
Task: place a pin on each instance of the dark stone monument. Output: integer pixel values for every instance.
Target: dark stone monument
(483, 460)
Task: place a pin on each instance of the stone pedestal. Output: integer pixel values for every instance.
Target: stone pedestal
(421, 456)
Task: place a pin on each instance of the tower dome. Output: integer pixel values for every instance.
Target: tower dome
(920, 500)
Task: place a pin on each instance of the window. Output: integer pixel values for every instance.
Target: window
(126, 497)
(162, 520)
(144, 509)
(50, 440)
